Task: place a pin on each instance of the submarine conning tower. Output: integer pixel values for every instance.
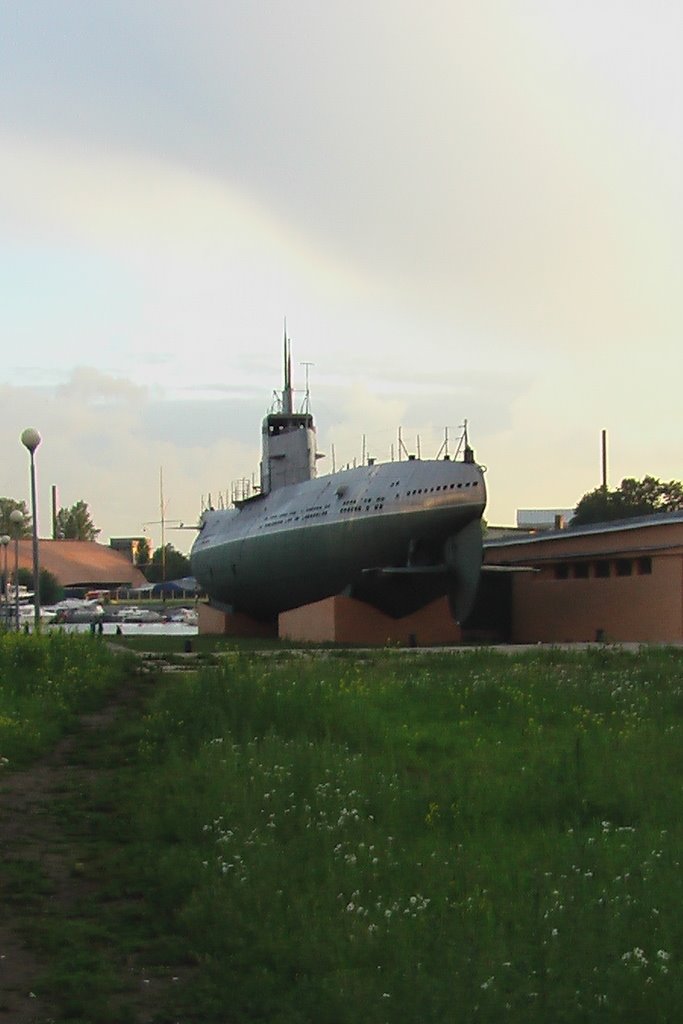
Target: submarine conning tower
(288, 447)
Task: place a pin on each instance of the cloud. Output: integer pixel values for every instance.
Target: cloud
(97, 446)
(194, 423)
(93, 387)
(479, 162)
(463, 210)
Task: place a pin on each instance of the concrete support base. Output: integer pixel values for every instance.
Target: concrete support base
(218, 623)
(345, 620)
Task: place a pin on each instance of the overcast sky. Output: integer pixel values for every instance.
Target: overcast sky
(465, 210)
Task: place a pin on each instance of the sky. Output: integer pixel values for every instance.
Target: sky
(464, 210)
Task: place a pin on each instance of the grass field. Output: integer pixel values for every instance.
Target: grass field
(45, 683)
(406, 839)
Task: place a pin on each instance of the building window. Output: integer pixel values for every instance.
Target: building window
(644, 566)
(581, 570)
(602, 570)
(561, 571)
(624, 567)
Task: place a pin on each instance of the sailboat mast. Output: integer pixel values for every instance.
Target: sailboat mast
(163, 524)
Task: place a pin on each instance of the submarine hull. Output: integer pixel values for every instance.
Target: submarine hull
(395, 535)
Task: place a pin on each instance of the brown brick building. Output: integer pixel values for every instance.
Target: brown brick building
(608, 581)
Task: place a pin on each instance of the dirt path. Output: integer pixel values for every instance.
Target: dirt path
(41, 874)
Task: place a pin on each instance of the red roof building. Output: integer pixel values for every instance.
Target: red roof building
(79, 563)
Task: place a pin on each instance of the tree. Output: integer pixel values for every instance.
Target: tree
(49, 588)
(7, 506)
(75, 523)
(141, 552)
(631, 498)
(167, 564)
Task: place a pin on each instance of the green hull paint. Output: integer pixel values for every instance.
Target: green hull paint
(262, 573)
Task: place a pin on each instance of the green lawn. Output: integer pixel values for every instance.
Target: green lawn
(398, 839)
(453, 838)
(45, 683)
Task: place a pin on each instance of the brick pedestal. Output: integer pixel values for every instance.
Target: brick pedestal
(216, 622)
(345, 620)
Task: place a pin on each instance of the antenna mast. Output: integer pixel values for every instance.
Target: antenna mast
(307, 399)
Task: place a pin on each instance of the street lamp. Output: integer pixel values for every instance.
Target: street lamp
(30, 439)
(16, 518)
(4, 540)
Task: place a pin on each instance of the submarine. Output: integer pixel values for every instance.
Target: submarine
(396, 535)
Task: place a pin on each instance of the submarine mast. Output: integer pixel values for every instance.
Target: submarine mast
(287, 394)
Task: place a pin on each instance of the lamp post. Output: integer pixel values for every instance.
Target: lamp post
(4, 540)
(30, 439)
(16, 518)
